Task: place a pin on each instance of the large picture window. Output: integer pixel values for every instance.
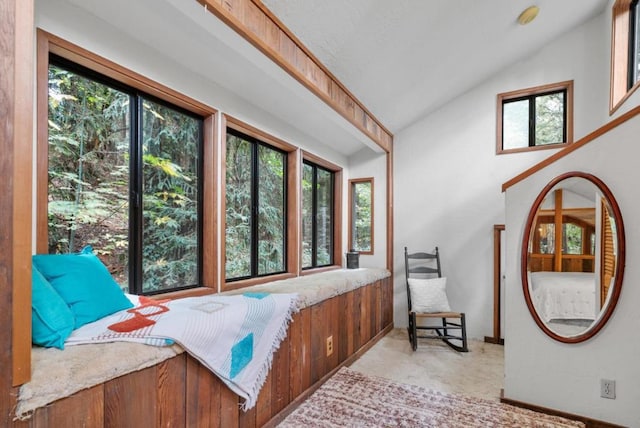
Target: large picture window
(256, 208)
(535, 118)
(317, 216)
(123, 177)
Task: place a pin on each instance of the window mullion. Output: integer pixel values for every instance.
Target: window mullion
(254, 207)
(314, 216)
(136, 210)
(532, 121)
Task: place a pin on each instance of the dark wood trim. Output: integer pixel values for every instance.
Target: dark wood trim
(575, 146)
(108, 68)
(16, 136)
(293, 202)
(589, 422)
(620, 263)
(620, 32)
(390, 205)
(505, 96)
(497, 234)
(251, 20)
(209, 200)
(351, 213)
(337, 211)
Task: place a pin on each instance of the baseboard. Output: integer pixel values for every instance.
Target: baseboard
(494, 340)
(350, 360)
(589, 422)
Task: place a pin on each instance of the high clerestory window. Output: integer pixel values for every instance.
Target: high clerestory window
(124, 177)
(625, 52)
(535, 118)
(256, 208)
(634, 44)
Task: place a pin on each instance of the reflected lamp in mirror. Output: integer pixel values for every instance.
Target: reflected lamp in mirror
(572, 259)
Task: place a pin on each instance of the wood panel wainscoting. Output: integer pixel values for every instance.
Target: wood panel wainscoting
(180, 392)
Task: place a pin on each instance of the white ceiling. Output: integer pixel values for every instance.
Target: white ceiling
(405, 58)
(401, 58)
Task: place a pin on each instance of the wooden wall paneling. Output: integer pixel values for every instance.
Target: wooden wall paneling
(333, 330)
(300, 353)
(281, 393)
(389, 301)
(229, 409)
(357, 324)
(171, 386)
(345, 323)
(379, 307)
(263, 405)
(295, 355)
(83, 409)
(182, 392)
(202, 406)
(254, 22)
(130, 400)
(247, 419)
(365, 315)
(317, 342)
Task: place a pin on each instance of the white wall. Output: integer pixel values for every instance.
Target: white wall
(365, 164)
(542, 371)
(447, 177)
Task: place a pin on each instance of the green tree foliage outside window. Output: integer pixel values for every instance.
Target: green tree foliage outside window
(536, 120)
(92, 170)
(256, 215)
(362, 220)
(317, 216)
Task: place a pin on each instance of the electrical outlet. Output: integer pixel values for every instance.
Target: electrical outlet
(607, 388)
(329, 345)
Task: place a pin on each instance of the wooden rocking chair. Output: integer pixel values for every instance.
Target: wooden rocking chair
(419, 265)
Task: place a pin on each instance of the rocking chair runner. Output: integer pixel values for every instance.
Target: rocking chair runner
(420, 265)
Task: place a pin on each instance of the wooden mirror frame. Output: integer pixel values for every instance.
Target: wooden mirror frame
(609, 306)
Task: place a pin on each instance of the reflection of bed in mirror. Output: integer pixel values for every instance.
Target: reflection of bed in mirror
(564, 295)
(571, 257)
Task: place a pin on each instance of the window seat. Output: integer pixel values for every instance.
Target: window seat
(57, 374)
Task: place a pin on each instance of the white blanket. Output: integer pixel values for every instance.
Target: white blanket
(234, 336)
(564, 295)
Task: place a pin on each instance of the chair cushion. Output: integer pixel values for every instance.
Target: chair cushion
(84, 283)
(429, 295)
(51, 319)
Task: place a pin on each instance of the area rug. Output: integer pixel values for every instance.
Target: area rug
(352, 399)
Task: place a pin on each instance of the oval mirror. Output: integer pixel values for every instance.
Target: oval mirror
(573, 257)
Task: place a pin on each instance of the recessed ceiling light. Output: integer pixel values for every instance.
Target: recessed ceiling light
(528, 15)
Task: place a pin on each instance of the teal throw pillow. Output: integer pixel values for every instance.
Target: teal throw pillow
(51, 319)
(84, 283)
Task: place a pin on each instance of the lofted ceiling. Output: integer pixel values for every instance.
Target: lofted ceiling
(402, 59)
(405, 58)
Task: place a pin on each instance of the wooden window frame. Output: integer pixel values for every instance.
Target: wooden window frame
(535, 91)
(352, 184)
(49, 44)
(621, 33)
(337, 213)
(293, 168)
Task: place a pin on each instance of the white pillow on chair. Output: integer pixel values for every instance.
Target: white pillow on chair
(429, 295)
